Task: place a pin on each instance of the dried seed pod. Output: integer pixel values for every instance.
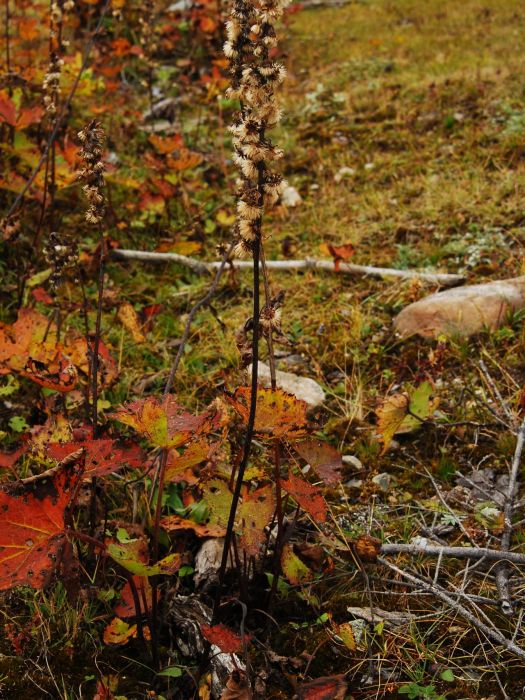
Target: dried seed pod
(92, 139)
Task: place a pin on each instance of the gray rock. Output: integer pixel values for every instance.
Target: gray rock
(303, 388)
(353, 461)
(382, 481)
(291, 197)
(354, 484)
(463, 311)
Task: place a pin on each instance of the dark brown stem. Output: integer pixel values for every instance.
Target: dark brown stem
(7, 39)
(96, 341)
(251, 419)
(269, 338)
(154, 581)
(62, 116)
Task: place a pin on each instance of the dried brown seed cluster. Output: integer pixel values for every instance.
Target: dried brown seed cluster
(92, 140)
(61, 254)
(51, 83)
(254, 77)
(270, 316)
(148, 39)
(269, 322)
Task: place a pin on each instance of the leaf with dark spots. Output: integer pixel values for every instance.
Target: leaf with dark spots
(59, 373)
(103, 456)
(118, 632)
(324, 459)
(307, 496)
(254, 514)
(30, 347)
(175, 522)
(32, 527)
(278, 413)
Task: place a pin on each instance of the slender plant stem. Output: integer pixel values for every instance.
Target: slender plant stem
(7, 37)
(251, 420)
(502, 570)
(62, 116)
(96, 341)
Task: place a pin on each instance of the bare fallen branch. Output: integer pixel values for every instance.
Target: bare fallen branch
(438, 592)
(70, 459)
(442, 279)
(502, 571)
(455, 552)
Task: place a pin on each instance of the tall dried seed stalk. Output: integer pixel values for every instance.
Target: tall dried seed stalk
(254, 77)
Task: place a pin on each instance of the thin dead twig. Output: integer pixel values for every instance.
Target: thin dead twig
(70, 459)
(492, 633)
(502, 570)
(443, 279)
(455, 552)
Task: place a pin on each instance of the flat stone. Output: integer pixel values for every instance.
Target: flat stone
(382, 481)
(303, 388)
(353, 461)
(291, 197)
(462, 311)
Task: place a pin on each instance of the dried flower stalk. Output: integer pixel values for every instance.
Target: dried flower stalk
(92, 140)
(254, 77)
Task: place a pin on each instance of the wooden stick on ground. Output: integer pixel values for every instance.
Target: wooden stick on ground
(502, 571)
(442, 279)
(455, 552)
(438, 592)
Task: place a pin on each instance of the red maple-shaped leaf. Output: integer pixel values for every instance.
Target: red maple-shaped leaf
(103, 456)
(163, 421)
(325, 688)
(323, 458)
(7, 109)
(32, 527)
(307, 496)
(223, 637)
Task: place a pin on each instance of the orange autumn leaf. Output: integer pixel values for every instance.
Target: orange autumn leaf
(175, 522)
(118, 632)
(7, 109)
(195, 453)
(185, 160)
(307, 496)
(166, 144)
(130, 320)
(278, 414)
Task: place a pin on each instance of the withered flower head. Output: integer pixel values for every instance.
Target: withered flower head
(254, 76)
(92, 174)
(61, 254)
